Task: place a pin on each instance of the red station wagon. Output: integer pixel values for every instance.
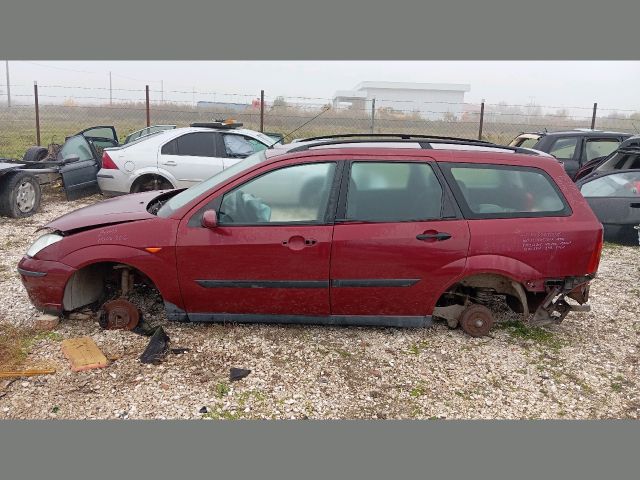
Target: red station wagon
(395, 231)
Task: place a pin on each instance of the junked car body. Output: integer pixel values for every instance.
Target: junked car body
(396, 235)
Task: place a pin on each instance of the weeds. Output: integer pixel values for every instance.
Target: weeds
(542, 337)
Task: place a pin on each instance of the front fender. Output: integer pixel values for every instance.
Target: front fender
(160, 267)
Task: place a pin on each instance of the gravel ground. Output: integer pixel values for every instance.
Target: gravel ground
(586, 367)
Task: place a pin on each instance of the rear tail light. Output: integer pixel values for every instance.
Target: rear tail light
(594, 261)
(107, 163)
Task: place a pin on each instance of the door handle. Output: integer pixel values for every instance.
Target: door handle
(439, 236)
(171, 163)
(635, 205)
(298, 243)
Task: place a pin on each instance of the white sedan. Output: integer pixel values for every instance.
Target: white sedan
(176, 158)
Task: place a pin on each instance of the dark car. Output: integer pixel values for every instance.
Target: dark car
(626, 157)
(614, 196)
(573, 148)
(399, 231)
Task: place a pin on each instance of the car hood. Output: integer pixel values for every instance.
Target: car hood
(127, 208)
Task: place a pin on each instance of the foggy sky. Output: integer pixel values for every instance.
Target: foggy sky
(613, 84)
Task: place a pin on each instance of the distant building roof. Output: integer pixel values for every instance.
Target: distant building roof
(458, 87)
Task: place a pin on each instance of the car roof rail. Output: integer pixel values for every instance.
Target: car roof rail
(425, 142)
(403, 136)
(221, 125)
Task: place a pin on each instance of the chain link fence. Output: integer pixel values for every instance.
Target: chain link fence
(62, 110)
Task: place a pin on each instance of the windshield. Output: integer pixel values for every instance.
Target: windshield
(181, 199)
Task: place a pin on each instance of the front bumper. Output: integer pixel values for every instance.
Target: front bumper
(45, 282)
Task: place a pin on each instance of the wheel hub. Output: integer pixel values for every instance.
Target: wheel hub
(25, 197)
(476, 320)
(120, 314)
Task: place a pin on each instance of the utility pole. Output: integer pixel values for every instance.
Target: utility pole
(162, 91)
(6, 64)
(110, 91)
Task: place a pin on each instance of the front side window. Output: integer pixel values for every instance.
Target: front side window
(625, 184)
(564, 148)
(595, 148)
(291, 194)
(238, 146)
(393, 192)
(495, 191)
(77, 145)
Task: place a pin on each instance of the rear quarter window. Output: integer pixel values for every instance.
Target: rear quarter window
(497, 191)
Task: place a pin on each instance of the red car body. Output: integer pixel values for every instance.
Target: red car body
(337, 272)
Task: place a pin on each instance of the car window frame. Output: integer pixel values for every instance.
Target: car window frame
(448, 209)
(577, 151)
(469, 214)
(195, 220)
(222, 147)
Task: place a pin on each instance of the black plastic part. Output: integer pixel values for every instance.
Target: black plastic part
(356, 320)
(437, 236)
(157, 349)
(236, 374)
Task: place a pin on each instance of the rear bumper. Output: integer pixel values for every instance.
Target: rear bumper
(45, 282)
(113, 182)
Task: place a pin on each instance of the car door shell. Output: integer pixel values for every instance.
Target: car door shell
(79, 177)
(254, 272)
(383, 268)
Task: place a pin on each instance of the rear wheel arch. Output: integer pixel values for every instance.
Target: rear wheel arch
(466, 288)
(144, 181)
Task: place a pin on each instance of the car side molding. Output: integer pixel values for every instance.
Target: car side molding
(355, 320)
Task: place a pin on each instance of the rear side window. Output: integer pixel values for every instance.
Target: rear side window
(197, 144)
(495, 191)
(393, 192)
(625, 184)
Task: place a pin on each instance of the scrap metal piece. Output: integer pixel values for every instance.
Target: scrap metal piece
(450, 313)
(119, 314)
(476, 320)
(552, 310)
(238, 373)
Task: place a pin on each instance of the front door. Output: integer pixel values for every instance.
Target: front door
(268, 258)
(394, 249)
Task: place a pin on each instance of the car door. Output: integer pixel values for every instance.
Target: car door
(615, 199)
(268, 258)
(397, 240)
(78, 168)
(191, 158)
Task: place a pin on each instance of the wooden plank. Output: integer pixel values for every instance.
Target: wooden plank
(27, 373)
(83, 353)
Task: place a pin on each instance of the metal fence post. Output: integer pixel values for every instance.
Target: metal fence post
(481, 120)
(148, 113)
(35, 95)
(593, 117)
(262, 111)
(373, 114)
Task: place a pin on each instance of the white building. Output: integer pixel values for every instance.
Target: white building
(431, 100)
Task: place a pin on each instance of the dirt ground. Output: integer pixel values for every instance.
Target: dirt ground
(586, 367)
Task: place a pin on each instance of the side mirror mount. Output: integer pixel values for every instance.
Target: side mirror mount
(210, 219)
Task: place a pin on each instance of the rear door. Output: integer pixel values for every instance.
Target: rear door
(397, 240)
(567, 150)
(191, 158)
(79, 176)
(615, 199)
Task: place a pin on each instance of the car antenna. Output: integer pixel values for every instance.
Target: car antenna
(325, 109)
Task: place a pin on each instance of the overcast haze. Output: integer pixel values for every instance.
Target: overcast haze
(614, 85)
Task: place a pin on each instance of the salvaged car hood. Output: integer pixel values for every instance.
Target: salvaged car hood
(127, 208)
